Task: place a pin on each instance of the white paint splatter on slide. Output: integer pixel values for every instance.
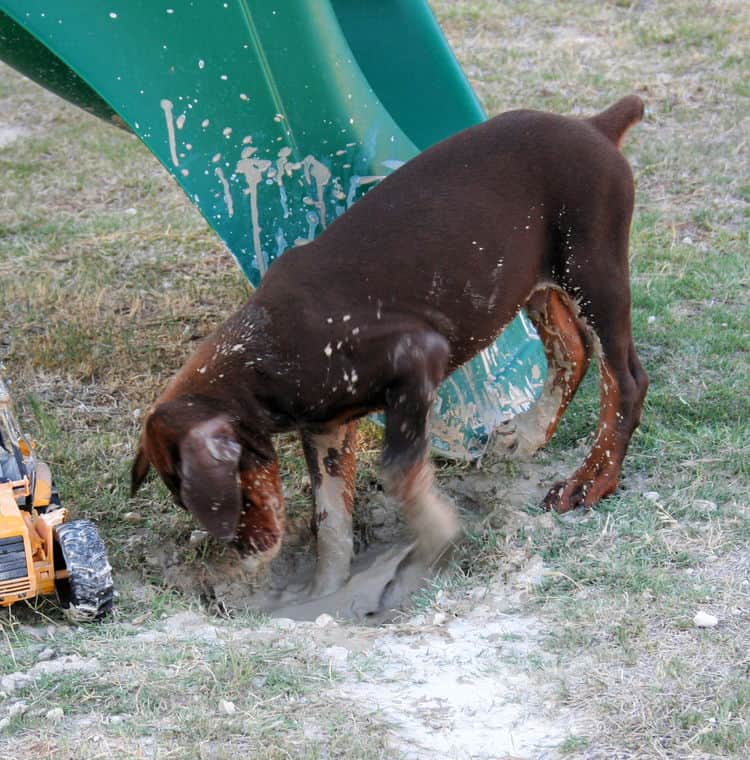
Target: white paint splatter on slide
(168, 107)
(227, 190)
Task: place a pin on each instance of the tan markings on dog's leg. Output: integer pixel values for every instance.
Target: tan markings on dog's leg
(597, 476)
(568, 350)
(333, 495)
(432, 517)
(620, 409)
(263, 519)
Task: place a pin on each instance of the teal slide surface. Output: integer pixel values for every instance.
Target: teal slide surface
(274, 118)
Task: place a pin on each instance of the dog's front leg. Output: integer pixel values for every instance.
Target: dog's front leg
(331, 461)
(420, 361)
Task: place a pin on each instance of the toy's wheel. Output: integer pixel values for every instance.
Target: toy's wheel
(87, 592)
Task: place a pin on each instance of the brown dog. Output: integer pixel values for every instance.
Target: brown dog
(527, 209)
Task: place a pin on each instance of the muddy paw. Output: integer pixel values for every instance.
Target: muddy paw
(584, 489)
(564, 496)
(436, 539)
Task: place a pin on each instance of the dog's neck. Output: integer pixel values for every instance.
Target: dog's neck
(233, 371)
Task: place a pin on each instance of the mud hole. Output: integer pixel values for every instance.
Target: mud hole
(464, 675)
(491, 496)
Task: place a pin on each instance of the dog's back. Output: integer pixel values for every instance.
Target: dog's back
(460, 235)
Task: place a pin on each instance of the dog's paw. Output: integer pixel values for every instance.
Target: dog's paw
(564, 496)
(579, 492)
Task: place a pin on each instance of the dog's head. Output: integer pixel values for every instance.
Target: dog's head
(224, 476)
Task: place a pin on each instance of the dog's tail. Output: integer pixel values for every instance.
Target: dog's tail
(617, 119)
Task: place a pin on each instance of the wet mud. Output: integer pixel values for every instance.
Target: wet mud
(385, 574)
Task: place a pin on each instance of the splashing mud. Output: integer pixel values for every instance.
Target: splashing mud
(383, 566)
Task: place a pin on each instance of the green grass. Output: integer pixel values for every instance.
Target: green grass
(173, 690)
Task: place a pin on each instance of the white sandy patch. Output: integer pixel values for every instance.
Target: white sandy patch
(463, 687)
(9, 135)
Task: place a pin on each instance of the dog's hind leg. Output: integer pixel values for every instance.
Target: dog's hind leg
(331, 461)
(605, 304)
(567, 347)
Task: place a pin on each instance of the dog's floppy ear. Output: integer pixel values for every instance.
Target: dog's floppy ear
(138, 472)
(209, 476)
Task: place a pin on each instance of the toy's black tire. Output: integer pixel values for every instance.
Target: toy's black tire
(87, 593)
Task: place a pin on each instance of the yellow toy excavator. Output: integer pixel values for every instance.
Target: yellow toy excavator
(41, 551)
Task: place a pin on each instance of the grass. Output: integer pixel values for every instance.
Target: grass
(109, 277)
(172, 688)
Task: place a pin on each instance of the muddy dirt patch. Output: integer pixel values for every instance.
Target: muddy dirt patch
(492, 495)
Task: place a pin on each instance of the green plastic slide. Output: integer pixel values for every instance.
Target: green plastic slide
(275, 116)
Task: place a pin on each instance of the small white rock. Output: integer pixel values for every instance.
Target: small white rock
(651, 319)
(324, 620)
(197, 537)
(55, 715)
(439, 618)
(284, 624)
(226, 707)
(704, 620)
(651, 496)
